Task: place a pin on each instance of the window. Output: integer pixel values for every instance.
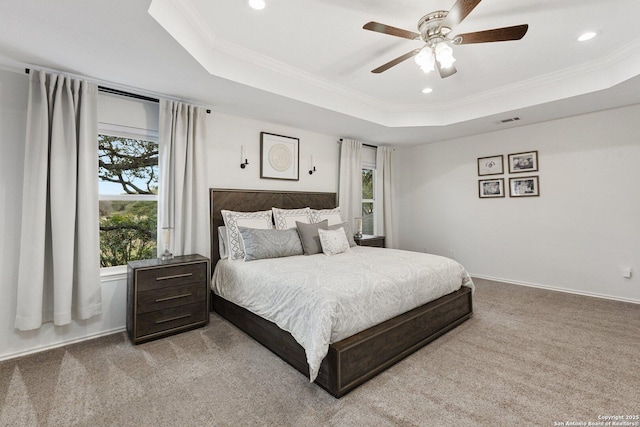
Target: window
(368, 189)
(368, 200)
(128, 187)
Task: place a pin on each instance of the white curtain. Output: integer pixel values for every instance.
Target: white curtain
(350, 192)
(385, 196)
(183, 193)
(59, 268)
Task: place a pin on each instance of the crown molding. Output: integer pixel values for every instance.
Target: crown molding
(242, 53)
(237, 63)
(626, 58)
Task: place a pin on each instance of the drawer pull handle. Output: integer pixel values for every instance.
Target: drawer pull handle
(174, 297)
(176, 276)
(173, 318)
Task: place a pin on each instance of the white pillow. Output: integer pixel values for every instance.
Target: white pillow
(262, 220)
(333, 241)
(286, 218)
(332, 215)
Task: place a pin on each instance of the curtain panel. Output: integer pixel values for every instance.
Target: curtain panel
(385, 196)
(59, 267)
(183, 192)
(350, 188)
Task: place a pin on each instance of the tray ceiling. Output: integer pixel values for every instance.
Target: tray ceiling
(307, 63)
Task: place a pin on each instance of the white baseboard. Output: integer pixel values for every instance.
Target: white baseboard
(556, 288)
(61, 344)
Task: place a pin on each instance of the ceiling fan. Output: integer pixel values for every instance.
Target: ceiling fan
(434, 29)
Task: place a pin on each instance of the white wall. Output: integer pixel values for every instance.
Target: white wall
(226, 134)
(13, 119)
(577, 235)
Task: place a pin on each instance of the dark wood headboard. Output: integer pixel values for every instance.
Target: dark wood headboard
(259, 200)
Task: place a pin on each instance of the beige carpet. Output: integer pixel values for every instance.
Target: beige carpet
(528, 357)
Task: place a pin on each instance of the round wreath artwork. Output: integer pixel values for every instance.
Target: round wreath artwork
(280, 157)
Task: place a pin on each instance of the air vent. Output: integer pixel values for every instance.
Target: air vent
(512, 119)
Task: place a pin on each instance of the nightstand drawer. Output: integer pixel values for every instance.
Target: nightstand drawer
(173, 296)
(155, 278)
(170, 318)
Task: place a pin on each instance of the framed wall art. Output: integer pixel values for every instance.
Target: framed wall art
(523, 162)
(492, 165)
(279, 157)
(490, 188)
(526, 186)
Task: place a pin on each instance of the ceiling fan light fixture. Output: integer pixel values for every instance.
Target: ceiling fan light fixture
(434, 31)
(587, 36)
(426, 60)
(444, 55)
(257, 4)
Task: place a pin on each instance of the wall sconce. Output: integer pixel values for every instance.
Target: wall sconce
(243, 158)
(313, 167)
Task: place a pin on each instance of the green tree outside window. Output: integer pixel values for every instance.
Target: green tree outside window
(127, 167)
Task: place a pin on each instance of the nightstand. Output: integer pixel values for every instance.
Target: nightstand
(369, 240)
(167, 297)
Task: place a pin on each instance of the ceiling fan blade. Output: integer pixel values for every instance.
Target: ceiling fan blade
(459, 11)
(496, 35)
(446, 72)
(396, 61)
(392, 31)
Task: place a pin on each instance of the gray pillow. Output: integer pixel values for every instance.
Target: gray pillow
(309, 236)
(263, 243)
(347, 231)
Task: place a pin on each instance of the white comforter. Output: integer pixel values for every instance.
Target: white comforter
(323, 299)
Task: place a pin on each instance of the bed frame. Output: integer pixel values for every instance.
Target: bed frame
(356, 359)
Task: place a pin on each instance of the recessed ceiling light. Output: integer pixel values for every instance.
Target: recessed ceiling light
(257, 4)
(427, 90)
(587, 36)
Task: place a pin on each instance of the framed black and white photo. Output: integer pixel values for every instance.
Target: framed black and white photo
(279, 157)
(526, 186)
(492, 165)
(489, 188)
(523, 162)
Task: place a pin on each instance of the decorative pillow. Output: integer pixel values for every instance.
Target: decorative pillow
(223, 243)
(233, 220)
(287, 218)
(309, 236)
(333, 241)
(347, 231)
(261, 244)
(332, 215)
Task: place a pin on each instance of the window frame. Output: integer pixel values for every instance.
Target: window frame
(369, 162)
(120, 131)
(373, 200)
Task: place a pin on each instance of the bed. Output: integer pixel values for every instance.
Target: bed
(353, 360)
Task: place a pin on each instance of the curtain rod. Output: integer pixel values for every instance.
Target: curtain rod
(363, 144)
(122, 93)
